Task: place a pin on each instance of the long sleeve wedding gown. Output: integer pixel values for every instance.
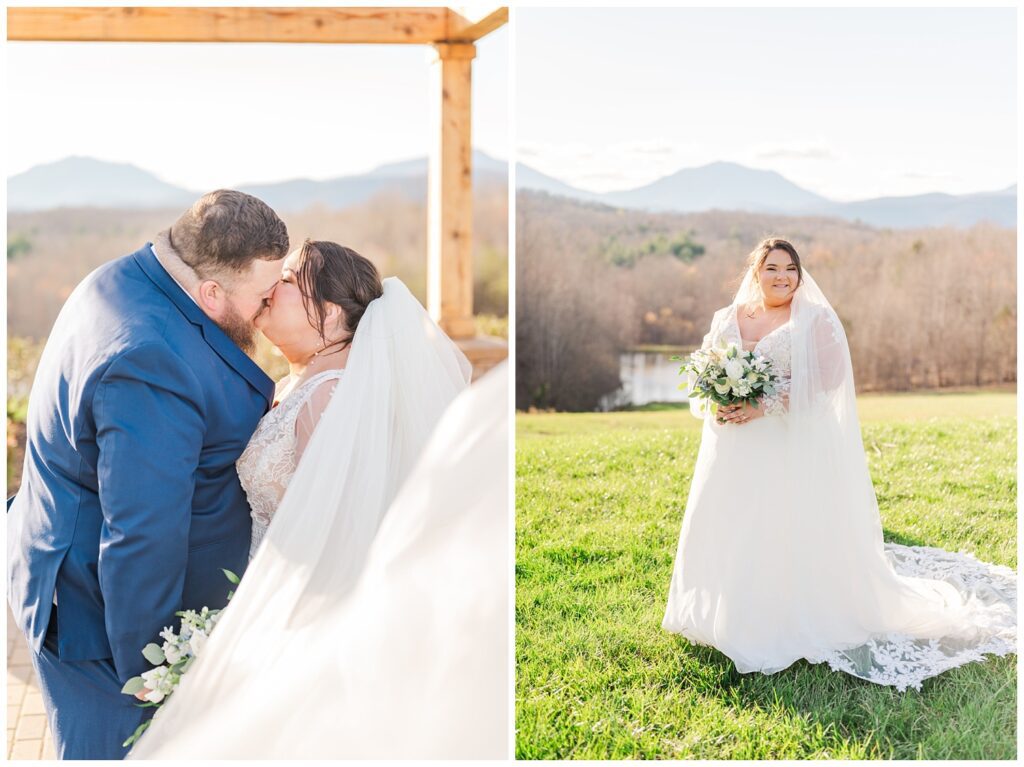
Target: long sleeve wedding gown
(781, 554)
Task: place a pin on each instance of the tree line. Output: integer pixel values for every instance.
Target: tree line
(923, 308)
(49, 252)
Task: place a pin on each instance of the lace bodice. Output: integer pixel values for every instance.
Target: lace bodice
(776, 347)
(266, 466)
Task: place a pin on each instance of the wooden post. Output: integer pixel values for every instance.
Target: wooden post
(450, 195)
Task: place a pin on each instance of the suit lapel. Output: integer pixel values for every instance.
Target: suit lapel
(225, 348)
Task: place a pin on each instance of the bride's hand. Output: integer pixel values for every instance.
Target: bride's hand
(738, 414)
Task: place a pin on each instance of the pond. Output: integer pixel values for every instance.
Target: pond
(647, 376)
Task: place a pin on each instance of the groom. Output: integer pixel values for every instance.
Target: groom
(129, 504)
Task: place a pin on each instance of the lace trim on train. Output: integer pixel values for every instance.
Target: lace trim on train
(903, 661)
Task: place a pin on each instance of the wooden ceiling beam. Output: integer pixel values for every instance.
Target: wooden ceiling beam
(235, 25)
(469, 25)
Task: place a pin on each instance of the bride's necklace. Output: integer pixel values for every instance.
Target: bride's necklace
(753, 311)
(317, 354)
(775, 325)
(776, 314)
(292, 385)
(312, 367)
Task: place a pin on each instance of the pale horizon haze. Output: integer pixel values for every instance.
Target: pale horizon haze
(851, 103)
(208, 115)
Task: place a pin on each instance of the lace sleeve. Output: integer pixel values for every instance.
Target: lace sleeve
(714, 333)
(310, 413)
(829, 356)
(778, 403)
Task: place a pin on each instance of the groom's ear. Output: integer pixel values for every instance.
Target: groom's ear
(211, 298)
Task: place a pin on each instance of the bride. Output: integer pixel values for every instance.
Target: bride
(371, 376)
(781, 556)
(311, 317)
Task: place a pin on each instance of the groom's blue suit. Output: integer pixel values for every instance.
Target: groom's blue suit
(129, 504)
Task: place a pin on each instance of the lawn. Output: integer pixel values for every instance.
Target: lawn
(599, 504)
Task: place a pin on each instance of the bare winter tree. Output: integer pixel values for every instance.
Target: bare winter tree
(572, 316)
(922, 308)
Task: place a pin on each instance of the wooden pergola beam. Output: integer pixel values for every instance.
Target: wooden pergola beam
(452, 33)
(413, 26)
(469, 25)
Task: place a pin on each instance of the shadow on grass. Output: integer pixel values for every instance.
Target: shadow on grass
(879, 720)
(892, 536)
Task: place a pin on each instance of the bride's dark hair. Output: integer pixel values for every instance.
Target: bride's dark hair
(333, 274)
(760, 253)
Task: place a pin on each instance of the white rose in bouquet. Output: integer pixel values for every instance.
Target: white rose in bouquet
(734, 368)
(157, 681)
(197, 641)
(172, 652)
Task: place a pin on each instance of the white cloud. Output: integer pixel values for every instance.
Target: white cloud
(617, 165)
(795, 150)
(941, 176)
(657, 147)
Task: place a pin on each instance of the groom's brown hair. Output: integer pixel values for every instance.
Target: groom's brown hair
(227, 230)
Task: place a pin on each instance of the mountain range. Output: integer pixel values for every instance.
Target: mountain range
(88, 182)
(730, 186)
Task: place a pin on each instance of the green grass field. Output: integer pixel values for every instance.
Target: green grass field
(599, 504)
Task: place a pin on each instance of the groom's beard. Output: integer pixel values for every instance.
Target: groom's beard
(238, 329)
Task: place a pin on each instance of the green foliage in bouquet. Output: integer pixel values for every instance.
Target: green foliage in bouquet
(173, 658)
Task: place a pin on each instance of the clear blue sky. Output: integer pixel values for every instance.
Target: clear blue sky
(208, 115)
(850, 103)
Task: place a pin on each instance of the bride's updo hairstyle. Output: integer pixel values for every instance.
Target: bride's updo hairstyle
(758, 255)
(333, 274)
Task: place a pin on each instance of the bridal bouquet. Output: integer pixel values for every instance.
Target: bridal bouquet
(727, 375)
(172, 659)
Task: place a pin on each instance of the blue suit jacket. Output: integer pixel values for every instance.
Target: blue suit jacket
(130, 504)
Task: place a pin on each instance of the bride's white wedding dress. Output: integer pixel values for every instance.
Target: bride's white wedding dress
(268, 462)
(781, 554)
(342, 642)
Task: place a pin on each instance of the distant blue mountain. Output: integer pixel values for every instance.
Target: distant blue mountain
(529, 178)
(86, 182)
(935, 209)
(729, 186)
(723, 185)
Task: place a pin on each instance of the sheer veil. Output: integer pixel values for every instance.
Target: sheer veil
(288, 667)
(888, 613)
